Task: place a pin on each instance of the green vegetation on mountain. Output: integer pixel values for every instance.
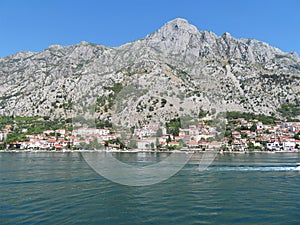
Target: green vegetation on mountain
(173, 126)
(289, 110)
(251, 116)
(32, 125)
(136, 83)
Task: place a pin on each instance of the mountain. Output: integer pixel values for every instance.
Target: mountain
(175, 71)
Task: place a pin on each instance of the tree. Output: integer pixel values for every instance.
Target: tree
(297, 136)
(132, 129)
(224, 148)
(181, 143)
(253, 128)
(132, 144)
(94, 144)
(152, 145)
(158, 145)
(244, 128)
(159, 133)
(230, 140)
(201, 114)
(173, 126)
(250, 146)
(168, 139)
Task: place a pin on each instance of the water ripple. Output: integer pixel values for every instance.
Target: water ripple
(62, 189)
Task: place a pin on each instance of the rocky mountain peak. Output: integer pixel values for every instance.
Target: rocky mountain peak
(177, 69)
(55, 47)
(226, 35)
(180, 24)
(179, 37)
(173, 37)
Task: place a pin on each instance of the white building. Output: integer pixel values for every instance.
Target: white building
(91, 131)
(289, 144)
(275, 145)
(147, 143)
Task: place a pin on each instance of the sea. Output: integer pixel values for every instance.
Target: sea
(61, 188)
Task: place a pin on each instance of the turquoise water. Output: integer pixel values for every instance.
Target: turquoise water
(60, 188)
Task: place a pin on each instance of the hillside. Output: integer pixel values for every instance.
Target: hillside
(177, 70)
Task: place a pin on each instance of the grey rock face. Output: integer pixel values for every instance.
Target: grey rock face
(188, 68)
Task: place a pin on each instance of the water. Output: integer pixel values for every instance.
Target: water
(60, 188)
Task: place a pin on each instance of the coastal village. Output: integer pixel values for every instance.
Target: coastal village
(241, 135)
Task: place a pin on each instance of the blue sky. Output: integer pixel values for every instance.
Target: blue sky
(33, 25)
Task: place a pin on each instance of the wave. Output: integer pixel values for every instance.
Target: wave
(254, 168)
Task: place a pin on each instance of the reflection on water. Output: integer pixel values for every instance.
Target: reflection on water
(60, 188)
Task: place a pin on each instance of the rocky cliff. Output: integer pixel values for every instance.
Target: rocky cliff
(176, 70)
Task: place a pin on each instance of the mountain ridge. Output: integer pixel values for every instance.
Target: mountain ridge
(239, 74)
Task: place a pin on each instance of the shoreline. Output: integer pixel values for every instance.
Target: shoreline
(142, 151)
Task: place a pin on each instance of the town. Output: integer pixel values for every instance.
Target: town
(239, 135)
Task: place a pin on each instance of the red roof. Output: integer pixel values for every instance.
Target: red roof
(58, 146)
(174, 143)
(195, 143)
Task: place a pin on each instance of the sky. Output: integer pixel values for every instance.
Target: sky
(33, 25)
